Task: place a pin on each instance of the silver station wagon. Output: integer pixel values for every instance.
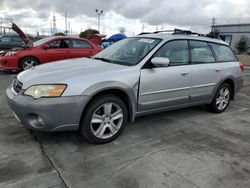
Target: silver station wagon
(137, 76)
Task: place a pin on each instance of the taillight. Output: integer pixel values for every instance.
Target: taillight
(242, 66)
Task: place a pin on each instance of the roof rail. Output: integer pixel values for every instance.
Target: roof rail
(185, 32)
(173, 32)
(164, 31)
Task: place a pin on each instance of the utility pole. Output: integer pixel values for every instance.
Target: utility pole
(69, 27)
(99, 13)
(103, 31)
(66, 28)
(51, 32)
(213, 21)
(54, 30)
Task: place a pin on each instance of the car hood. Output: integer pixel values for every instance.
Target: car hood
(23, 36)
(69, 71)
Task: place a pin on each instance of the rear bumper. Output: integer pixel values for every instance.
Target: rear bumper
(47, 114)
(9, 62)
(238, 84)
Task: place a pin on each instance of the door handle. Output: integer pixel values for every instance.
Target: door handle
(217, 70)
(184, 73)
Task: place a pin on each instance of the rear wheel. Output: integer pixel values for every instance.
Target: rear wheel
(221, 99)
(104, 119)
(27, 63)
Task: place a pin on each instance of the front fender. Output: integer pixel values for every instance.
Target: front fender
(108, 85)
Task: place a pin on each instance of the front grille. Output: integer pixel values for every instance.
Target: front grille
(17, 86)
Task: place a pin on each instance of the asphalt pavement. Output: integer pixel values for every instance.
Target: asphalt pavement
(183, 148)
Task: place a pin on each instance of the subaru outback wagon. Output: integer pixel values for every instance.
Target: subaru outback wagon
(136, 76)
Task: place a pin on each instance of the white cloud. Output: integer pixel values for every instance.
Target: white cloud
(187, 14)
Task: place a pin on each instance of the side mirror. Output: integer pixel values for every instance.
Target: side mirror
(160, 61)
(46, 46)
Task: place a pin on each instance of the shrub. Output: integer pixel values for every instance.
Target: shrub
(59, 34)
(242, 44)
(88, 32)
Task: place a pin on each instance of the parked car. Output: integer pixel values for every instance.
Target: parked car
(10, 41)
(46, 50)
(133, 77)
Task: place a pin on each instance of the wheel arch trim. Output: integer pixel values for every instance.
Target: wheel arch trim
(100, 87)
(223, 80)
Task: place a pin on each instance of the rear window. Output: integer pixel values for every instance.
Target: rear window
(201, 53)
(81, 44)
(223, 53)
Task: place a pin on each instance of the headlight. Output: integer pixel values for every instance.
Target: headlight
(38, 91)
(10, 53)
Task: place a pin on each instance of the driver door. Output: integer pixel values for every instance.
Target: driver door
(58, 50)
(162, 87)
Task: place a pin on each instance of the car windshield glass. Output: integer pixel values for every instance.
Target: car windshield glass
(128, 51)
(39, 42)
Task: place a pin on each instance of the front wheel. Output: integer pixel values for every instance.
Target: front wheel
(104, 119)
(27, 63)
(221, 99)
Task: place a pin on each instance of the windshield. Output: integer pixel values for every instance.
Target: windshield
(39, 42)
(128, 51)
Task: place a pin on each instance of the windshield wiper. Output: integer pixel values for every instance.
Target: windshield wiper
(102, 59)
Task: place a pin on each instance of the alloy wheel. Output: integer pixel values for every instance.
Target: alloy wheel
(223, 98)
(28, 64)
(106, 121)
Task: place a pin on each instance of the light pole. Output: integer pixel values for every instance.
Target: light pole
(99, 13)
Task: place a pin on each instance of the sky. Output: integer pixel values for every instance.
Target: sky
(135, 16)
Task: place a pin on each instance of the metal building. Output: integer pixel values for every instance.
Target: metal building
(231, 33)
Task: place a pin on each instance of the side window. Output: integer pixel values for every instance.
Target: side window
(200, 52)
(226, 38)
(5, 39)
(81, 44)
(176, 51)
(63, 43)
(16, 39)
(222, 52)
(54, 44)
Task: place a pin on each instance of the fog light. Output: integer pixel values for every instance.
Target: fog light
(41, 120)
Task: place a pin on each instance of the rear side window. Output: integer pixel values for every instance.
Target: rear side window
(81, 44)
(201, 52)
(176, 51)
(222, 52)
(5, 39)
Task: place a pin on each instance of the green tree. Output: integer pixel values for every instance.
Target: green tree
(59, 34)
(242, 44)
(213, 34)
(88, 32)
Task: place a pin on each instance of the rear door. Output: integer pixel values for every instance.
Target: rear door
(162, 87)
(81, 48)
(59, 49)
(205, 72)
(16, 41)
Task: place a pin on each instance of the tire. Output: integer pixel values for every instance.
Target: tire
(221, 99)
(104, 119)
(28, 62)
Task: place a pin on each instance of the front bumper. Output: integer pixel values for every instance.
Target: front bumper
(47, 114)
(9, 62)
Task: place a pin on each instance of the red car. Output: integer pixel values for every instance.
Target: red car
(45, 50)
